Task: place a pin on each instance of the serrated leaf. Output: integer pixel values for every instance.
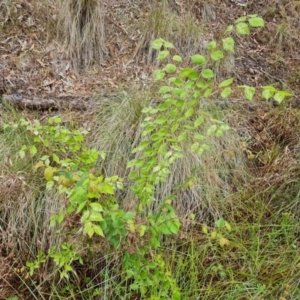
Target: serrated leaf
(33, 150)
(207, 73)
(181, 137)
(229, 28)
(198, 59)
(189, 73)
(242, 28)
(207, 93)
(217, 55)
(280, 95)
(226, 82)
(269, 88)
(249, 92)
(96, 206)
(170, 68)
(228, 44)
(168, 44)
(159, 74)
(267, 94)
(256, 22)
(174, 127)
(198, 136)
(163, 55)
(226, 92)
(95, 216)
(177, 58)
(198, 121)
(164, 89)
(194, 147)
(189, 113)
(157, 44)
(160, 120)
(212, 45)
(241, 19)
(200, 84)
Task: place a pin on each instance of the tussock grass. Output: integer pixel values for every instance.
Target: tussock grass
(162, 21)
(81, 28)
(213, 175)
(262, 261)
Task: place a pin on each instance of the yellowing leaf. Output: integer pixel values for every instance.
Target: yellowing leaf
(224, 242)
(228, 226)
(38, 165)
(64, 181)
(213, 235)
(48, 173)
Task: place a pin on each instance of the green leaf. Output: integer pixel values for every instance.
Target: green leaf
(228, 44)
(207, 93)
(267, 94)
(229, 28)
(280, 95)
(168, 44)
(95, 216)
(161, 120)
(33, 150)
(212, 45)
(129, 215)
(194, 147)
(220, 223)
(217, 55)
(181, 137)
(96, 206)
(198, 121)
(226, 82)
(134, 286)
(256, 22)
(174, 127)
(55, 158)
(199, 137)
(174, 226)
(176, 81)
(189, 73)
(241, 19)
(226, 92)
(157, 44)
(163, 54)
(189, 113)
(198, 59)
(212, 129)
(106, 189)
(170, 68)
(200, 84)
(242, 28)
(207, 73)
(177, 58)
(159, 74)
(249, 92)
(164, 89)
(22, 153)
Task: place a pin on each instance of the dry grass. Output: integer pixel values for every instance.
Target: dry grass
(81, 28)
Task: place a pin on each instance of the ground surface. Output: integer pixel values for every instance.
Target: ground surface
(34, 63)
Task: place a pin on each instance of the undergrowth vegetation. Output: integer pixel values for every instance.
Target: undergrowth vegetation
(158, 203)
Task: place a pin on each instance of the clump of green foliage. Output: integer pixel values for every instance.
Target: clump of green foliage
(138, 233)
